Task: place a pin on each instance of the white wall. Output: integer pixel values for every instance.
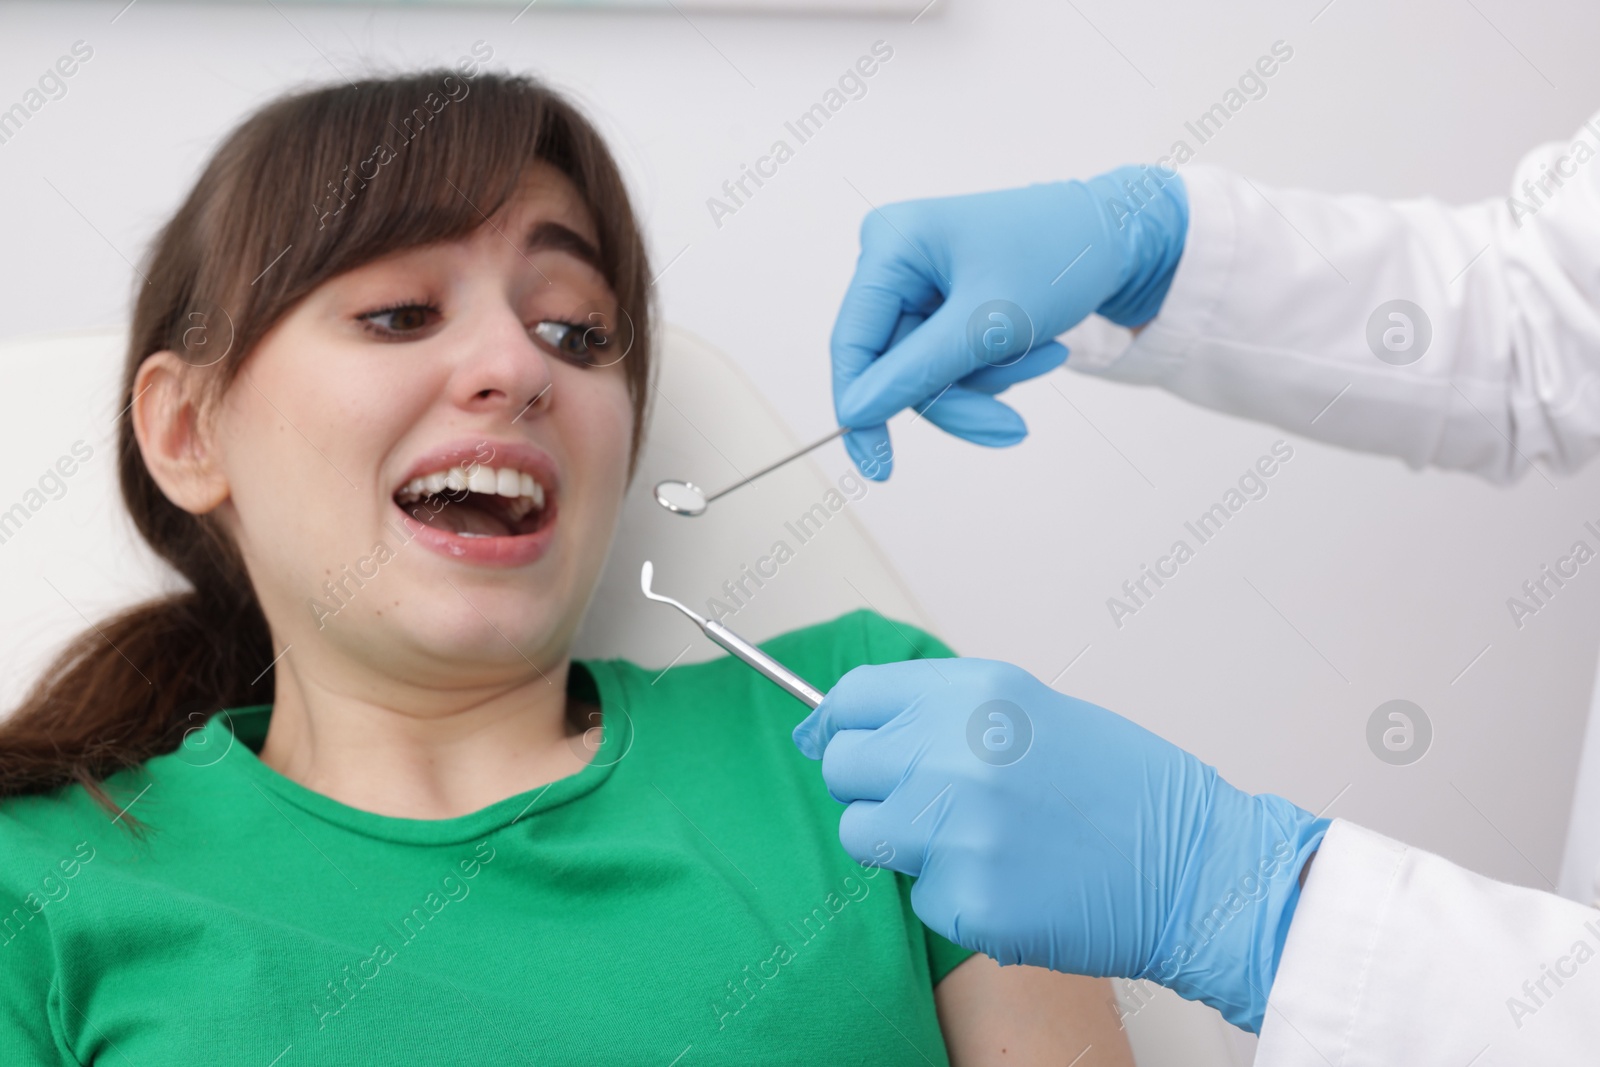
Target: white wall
(1398, 579)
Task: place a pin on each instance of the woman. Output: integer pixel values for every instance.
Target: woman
(348, 799)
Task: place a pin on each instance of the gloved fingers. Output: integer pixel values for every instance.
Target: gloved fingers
(994, 378)
(864, 699)
(867, 320)
(855, 768)
(909, 321)
(871, 451)
(891, 281)
(882, 834)
(932, 356)
(869, 447)
(975, 417)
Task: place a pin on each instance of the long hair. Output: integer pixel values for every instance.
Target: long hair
(312, 185)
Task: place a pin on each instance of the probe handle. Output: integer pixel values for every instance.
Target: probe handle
(791, 682)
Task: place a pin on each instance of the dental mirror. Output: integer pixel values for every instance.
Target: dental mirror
(681, 498)
(686, 498)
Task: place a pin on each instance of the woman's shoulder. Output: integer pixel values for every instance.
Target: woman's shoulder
(47, 814)
(48, 837)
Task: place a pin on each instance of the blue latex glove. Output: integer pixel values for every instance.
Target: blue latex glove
(1049, 831)
(936, 273)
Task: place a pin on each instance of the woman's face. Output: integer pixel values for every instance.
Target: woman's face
(429, 364)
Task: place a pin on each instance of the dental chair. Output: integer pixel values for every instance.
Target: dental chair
(77, 557)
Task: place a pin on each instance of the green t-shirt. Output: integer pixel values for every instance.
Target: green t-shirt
(682, 900)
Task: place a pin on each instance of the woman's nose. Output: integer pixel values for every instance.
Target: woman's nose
(503, 369)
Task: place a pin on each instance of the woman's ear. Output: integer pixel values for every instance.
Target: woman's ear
(174, 434)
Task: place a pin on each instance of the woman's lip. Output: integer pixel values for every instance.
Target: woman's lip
(519, 455)
(514, 551)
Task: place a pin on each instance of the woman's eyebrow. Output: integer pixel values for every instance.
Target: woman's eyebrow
(553, 236)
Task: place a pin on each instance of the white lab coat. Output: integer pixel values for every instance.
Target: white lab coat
(1396, 956)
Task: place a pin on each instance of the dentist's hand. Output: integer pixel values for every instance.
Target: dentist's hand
(1049, 831)
(950, 295)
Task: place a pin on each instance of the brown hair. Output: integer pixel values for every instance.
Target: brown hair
(314, 184)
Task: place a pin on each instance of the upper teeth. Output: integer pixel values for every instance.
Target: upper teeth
(501, 481)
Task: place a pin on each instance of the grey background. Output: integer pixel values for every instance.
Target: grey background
(1354, 582)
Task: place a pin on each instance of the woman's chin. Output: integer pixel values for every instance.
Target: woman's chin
(447, 645)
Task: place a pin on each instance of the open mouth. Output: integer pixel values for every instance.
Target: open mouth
(478, 501)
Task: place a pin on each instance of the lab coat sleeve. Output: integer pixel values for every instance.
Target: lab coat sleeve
(1397, 956)
(1268, 316)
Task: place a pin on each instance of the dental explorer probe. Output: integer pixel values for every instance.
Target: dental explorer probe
(791, 682)
(686, 498)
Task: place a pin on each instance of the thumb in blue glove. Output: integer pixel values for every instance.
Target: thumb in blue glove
(1049, 831)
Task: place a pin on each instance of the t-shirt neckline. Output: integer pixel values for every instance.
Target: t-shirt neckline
(238, 732)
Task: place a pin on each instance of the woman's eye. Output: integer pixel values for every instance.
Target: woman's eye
(401, 319)
(574, 342)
